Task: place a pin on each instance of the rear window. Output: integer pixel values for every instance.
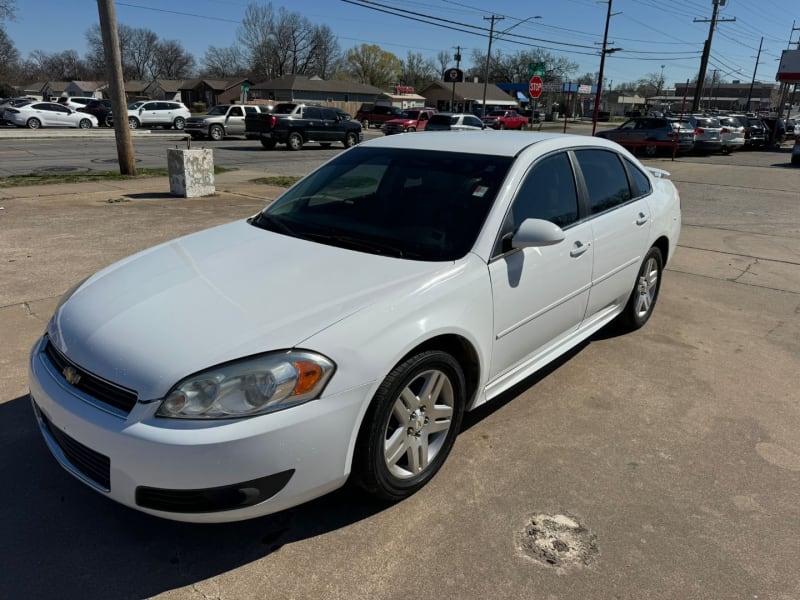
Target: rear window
(705, 122)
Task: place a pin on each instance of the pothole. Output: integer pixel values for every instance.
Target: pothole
(558, 541)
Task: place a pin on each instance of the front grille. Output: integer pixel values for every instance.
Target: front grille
(92, 465)
(99, 389)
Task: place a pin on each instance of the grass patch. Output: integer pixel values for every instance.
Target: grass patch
(280, 180)
(86, 176)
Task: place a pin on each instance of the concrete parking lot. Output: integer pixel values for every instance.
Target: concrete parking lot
(675, 451)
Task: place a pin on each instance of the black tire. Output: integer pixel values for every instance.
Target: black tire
(179, 123)
(501, 126)
(33, 123)
(268, 144)
(108, 121)
(650, 150)
(133, 122)
(415, 416)
(216, 133)
(294, 141)
(325, 144)
(643, 298)
(85, 124)
(350, 139)
(411, 130)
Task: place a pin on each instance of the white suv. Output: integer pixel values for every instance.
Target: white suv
(149, 113)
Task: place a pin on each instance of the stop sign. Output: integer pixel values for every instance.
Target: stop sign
(535, 86)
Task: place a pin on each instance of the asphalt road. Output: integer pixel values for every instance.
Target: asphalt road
(676, 448)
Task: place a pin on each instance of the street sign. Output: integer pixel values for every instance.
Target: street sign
(245, 88)
(453, 75)
(535, 86)
(536, 68)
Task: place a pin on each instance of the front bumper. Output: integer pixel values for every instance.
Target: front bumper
(197, 470)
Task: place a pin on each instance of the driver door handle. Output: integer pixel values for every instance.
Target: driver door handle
(579, 249)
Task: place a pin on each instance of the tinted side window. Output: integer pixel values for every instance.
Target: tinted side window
(474, 121)
(640, 184)
(236, 111)
(312, 113)
(328, 114)
(605, 179)
(548, 192)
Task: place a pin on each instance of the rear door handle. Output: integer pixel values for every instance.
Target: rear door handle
(643, 218)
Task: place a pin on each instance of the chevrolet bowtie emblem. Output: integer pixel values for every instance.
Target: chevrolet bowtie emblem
(71, 375)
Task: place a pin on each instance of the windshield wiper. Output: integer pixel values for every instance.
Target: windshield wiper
(354, 243)
(270, 223)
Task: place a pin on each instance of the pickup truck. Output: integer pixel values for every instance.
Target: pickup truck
(222, 120)
(296, 124)
(413, 119)
(505, 119)
(376, 114)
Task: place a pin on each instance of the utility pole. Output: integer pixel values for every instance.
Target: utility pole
(488, 59)
(458, 64)
(603, 52)
(122, 133)
(701, 77)
(752, 81)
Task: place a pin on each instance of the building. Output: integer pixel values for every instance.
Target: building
(347, 95)
(466, 97)
(728, 96)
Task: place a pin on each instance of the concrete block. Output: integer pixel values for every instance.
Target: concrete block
(191, 172)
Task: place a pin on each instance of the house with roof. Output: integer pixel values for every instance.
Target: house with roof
(89, 89)
(212, 91)
(55, 89)
(466, 97)
(347, 95)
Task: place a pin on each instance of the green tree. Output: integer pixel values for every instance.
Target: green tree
(371, 65)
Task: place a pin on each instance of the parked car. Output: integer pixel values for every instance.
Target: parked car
(75, 102)
(376, 114)
(652, 135)
(454, 122)
(796, 151)
(755, 134)
(792, 128)
(505, 119)
(101, 109)
(413, 119)
(155, 113)
(732, 134)
(48, 114)
(341, 333)
(707, 133)
(775, 129)
(222, 120)
(12, 103)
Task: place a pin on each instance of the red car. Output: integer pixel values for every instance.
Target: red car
(505, 119)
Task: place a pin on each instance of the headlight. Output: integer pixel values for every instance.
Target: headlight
(252, 386)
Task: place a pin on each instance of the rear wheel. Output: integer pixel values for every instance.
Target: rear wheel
(650, 150)
(33, 123)
(179, 123)
(350, 139)
(216, 132)
(295, 141)
(410, 426)
(643, 298)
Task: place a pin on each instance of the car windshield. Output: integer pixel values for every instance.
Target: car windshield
(410, 114)
(413, 204)
(219, 110)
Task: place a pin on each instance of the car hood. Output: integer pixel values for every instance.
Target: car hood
(233, 291)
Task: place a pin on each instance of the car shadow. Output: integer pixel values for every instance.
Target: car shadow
(62, 540)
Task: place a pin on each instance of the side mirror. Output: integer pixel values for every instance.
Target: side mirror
(141, 109)
(534, 233)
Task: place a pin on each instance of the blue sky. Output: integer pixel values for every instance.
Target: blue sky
(651, 33)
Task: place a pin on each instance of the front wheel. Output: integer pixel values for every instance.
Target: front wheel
(133, 123)
(294, 141)
(410, 426)
(650, 150)
(216, 133)
(350, 140)
(643, 298)
(85, 124)
(179, 123)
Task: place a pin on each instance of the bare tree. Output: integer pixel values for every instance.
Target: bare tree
(7, 9)
(327, 55)
(140, 54)
(371, 65)
(9, 57)
(513, 68)
(418, 71)
(61, 66)
(222, 63)
(171, 61)
(444, 59)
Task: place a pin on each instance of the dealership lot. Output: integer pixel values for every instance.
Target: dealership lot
(676, 447)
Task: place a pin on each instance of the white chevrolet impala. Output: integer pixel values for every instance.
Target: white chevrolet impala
(341, 333)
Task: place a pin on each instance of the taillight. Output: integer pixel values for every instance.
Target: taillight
(725, 130)
(698, 131)
(272, 120)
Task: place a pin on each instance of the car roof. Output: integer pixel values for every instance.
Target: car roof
(490, 142)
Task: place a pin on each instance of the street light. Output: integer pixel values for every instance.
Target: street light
(494, 18)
